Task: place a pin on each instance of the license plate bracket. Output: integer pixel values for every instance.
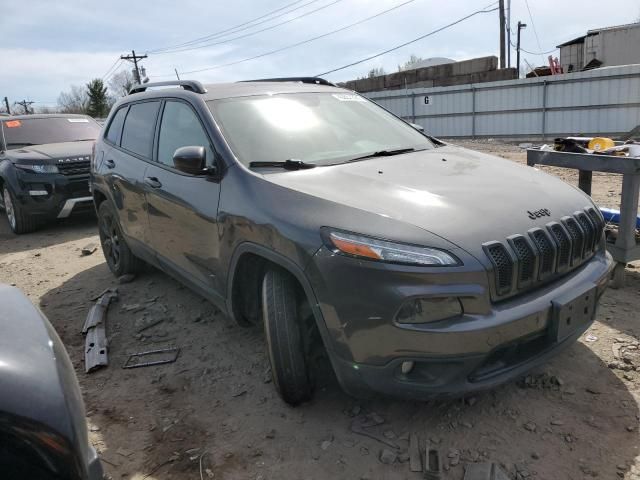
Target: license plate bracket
(571, 311)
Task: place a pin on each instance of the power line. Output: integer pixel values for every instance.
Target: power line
(288, 47)
(535, 32)
(533, 53)
(411, 41)
(134, 58)
(113, 67)
(185, 49)
(235, 28)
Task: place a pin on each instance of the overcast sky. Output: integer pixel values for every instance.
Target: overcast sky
(49, 45)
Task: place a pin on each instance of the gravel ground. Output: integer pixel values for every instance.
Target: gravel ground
(214, 414)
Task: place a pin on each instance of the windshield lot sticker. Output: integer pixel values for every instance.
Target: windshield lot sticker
(348, 97)
(13, 124)
(78, 120)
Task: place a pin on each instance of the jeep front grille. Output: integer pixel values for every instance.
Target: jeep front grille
(526, 261)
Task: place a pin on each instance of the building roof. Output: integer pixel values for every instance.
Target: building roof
(571, 42)
(615, 27)
(595, 31)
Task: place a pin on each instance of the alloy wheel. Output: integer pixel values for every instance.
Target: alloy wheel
(110, 240)
(9, 209)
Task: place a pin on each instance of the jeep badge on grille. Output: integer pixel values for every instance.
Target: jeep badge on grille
(539, 213)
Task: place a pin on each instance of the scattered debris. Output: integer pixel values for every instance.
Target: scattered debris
(163, 355)
(145, 323)
(128, 278)
(88, 250)
(415, 460)
(388, 457)
(591, 338)
(361, 423)
(485, 471)
(95, 346)
(530, 426)
(541, 381)
(432, 463)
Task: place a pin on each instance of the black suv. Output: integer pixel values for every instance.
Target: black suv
(44, 167)
(417, 266)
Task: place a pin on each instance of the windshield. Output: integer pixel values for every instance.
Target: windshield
(316, 128)
(38, 131)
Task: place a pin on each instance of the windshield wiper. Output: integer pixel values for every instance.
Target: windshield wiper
(84, 140)
(290, 164)
(384, 153)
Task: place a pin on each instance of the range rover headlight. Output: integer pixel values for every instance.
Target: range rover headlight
(382, 250)
(43, 168)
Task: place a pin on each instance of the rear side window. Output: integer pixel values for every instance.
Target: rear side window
(139, 127)
(115, 127)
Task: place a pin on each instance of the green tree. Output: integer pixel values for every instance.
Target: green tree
(98, 105)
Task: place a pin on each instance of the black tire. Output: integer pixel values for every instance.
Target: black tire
(284, 335)
(19, 221)
(116, 252)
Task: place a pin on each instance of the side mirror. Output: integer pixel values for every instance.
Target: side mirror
(190, 159)
(420, 128)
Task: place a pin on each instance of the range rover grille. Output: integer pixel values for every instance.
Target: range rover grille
(76, 167)
(525, 261)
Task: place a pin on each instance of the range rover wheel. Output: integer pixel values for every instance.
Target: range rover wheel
(284, 329)
(120, 258)
(18, 221)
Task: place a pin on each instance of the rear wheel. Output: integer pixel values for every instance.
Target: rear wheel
(18, 220)
(117, 253)
(284, 331)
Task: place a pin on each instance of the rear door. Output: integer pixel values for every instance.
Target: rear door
(126, 163)
(183, 208)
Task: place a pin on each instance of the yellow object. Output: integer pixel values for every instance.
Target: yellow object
(600, 143)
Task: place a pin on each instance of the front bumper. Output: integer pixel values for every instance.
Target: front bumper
(488, 345)
(52, 196)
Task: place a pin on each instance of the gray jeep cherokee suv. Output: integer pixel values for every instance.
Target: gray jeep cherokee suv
(421, 268)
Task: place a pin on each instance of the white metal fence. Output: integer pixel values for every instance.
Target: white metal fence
(605, 101)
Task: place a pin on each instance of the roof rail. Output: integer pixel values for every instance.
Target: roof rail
(191, 85)
(313, 80)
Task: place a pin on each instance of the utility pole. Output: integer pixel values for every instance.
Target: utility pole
(24, 104)
(509, 33)
(503, 62)
(520, 27)
(6, 102)
(134, 58)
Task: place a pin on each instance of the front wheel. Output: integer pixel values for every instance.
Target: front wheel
(284, 327)
(19, 221)
(117, 253)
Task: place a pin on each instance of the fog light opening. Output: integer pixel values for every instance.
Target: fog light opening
(406, 367)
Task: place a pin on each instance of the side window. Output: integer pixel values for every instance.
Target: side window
(115, 127)
(139, 127)
(180, 127)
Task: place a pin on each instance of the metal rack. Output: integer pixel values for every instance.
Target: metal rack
(625, 248)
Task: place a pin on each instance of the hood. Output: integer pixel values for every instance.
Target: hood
(53, 152)
(463, 196)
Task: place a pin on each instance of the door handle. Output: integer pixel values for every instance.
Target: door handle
(153, 182)
(110, 163)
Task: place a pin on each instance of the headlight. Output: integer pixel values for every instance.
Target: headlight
(38, 168)
(375, 249)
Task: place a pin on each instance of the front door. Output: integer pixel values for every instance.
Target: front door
(183, 208)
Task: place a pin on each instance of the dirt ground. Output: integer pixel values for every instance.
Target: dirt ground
(214, 414)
